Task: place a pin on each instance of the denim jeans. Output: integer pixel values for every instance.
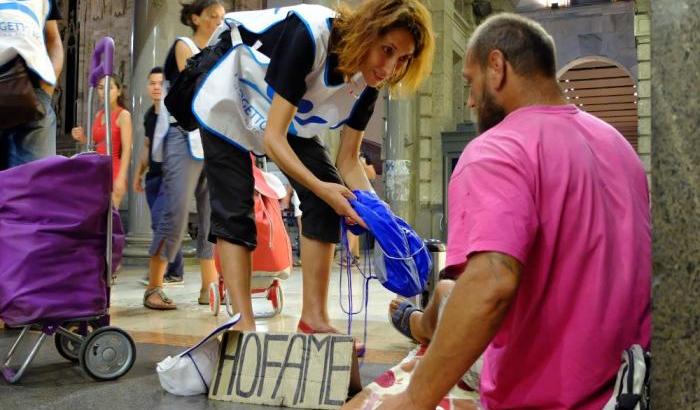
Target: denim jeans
(156, 198)
(183, 177)
(31, 141)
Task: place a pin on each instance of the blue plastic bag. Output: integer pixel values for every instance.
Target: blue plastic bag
(401, 260)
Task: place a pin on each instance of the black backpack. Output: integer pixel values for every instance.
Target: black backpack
(182, 90)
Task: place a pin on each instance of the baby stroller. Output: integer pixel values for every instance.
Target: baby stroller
(272, 258)
(57, 251)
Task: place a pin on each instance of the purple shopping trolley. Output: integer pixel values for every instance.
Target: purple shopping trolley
(57, 249)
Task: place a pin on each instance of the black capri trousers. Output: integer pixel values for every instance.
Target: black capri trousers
(230, 177)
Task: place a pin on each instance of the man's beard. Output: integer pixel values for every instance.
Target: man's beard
(489, 113)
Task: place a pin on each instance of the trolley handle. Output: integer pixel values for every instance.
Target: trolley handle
(102, 66)
(102, 61)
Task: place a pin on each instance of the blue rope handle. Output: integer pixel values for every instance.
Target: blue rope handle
(348, 273)
(403, 258)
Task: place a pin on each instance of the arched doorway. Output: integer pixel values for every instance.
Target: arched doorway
(605, 89)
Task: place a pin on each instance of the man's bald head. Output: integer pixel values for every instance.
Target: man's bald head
(524, 43)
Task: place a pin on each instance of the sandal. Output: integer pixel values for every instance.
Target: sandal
(401, 318)
(203, 298)
(354, 261)
(165, 302)
(302, 327)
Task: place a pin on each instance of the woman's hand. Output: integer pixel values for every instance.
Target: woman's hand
(118, 191)
(78, 134)
(337, 197)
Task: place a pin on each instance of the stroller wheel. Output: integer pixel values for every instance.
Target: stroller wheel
(68, 348)
(214, 299)
(107, 354)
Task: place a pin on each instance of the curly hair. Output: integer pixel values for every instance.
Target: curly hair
(372, 20)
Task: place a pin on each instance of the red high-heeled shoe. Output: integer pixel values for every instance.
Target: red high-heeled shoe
(303, 327)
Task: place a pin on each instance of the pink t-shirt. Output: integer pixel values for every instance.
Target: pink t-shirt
(565, 194)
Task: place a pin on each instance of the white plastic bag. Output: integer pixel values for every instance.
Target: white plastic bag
(190, 372)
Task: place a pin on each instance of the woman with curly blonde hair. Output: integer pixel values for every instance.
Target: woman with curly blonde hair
(356, 29)
(314, 69)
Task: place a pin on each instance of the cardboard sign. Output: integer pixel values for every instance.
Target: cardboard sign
(292, 370)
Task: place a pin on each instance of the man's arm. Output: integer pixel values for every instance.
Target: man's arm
(54, 47)
(472, 316)
(142, 165)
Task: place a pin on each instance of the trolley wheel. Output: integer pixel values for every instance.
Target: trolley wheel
(107, 354)
(276, 297)
(68, 348)
(214, 299)
(227, 301)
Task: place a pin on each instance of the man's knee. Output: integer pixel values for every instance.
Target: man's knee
(444, 287)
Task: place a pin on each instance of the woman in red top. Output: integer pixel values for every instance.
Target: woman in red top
(121, 136)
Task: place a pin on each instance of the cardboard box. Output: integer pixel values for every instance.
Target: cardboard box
(279, 369)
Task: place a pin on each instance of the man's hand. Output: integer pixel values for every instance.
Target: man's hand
(337, 197)
(138, 184)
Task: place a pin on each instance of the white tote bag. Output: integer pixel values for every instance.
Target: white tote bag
(233, 100)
